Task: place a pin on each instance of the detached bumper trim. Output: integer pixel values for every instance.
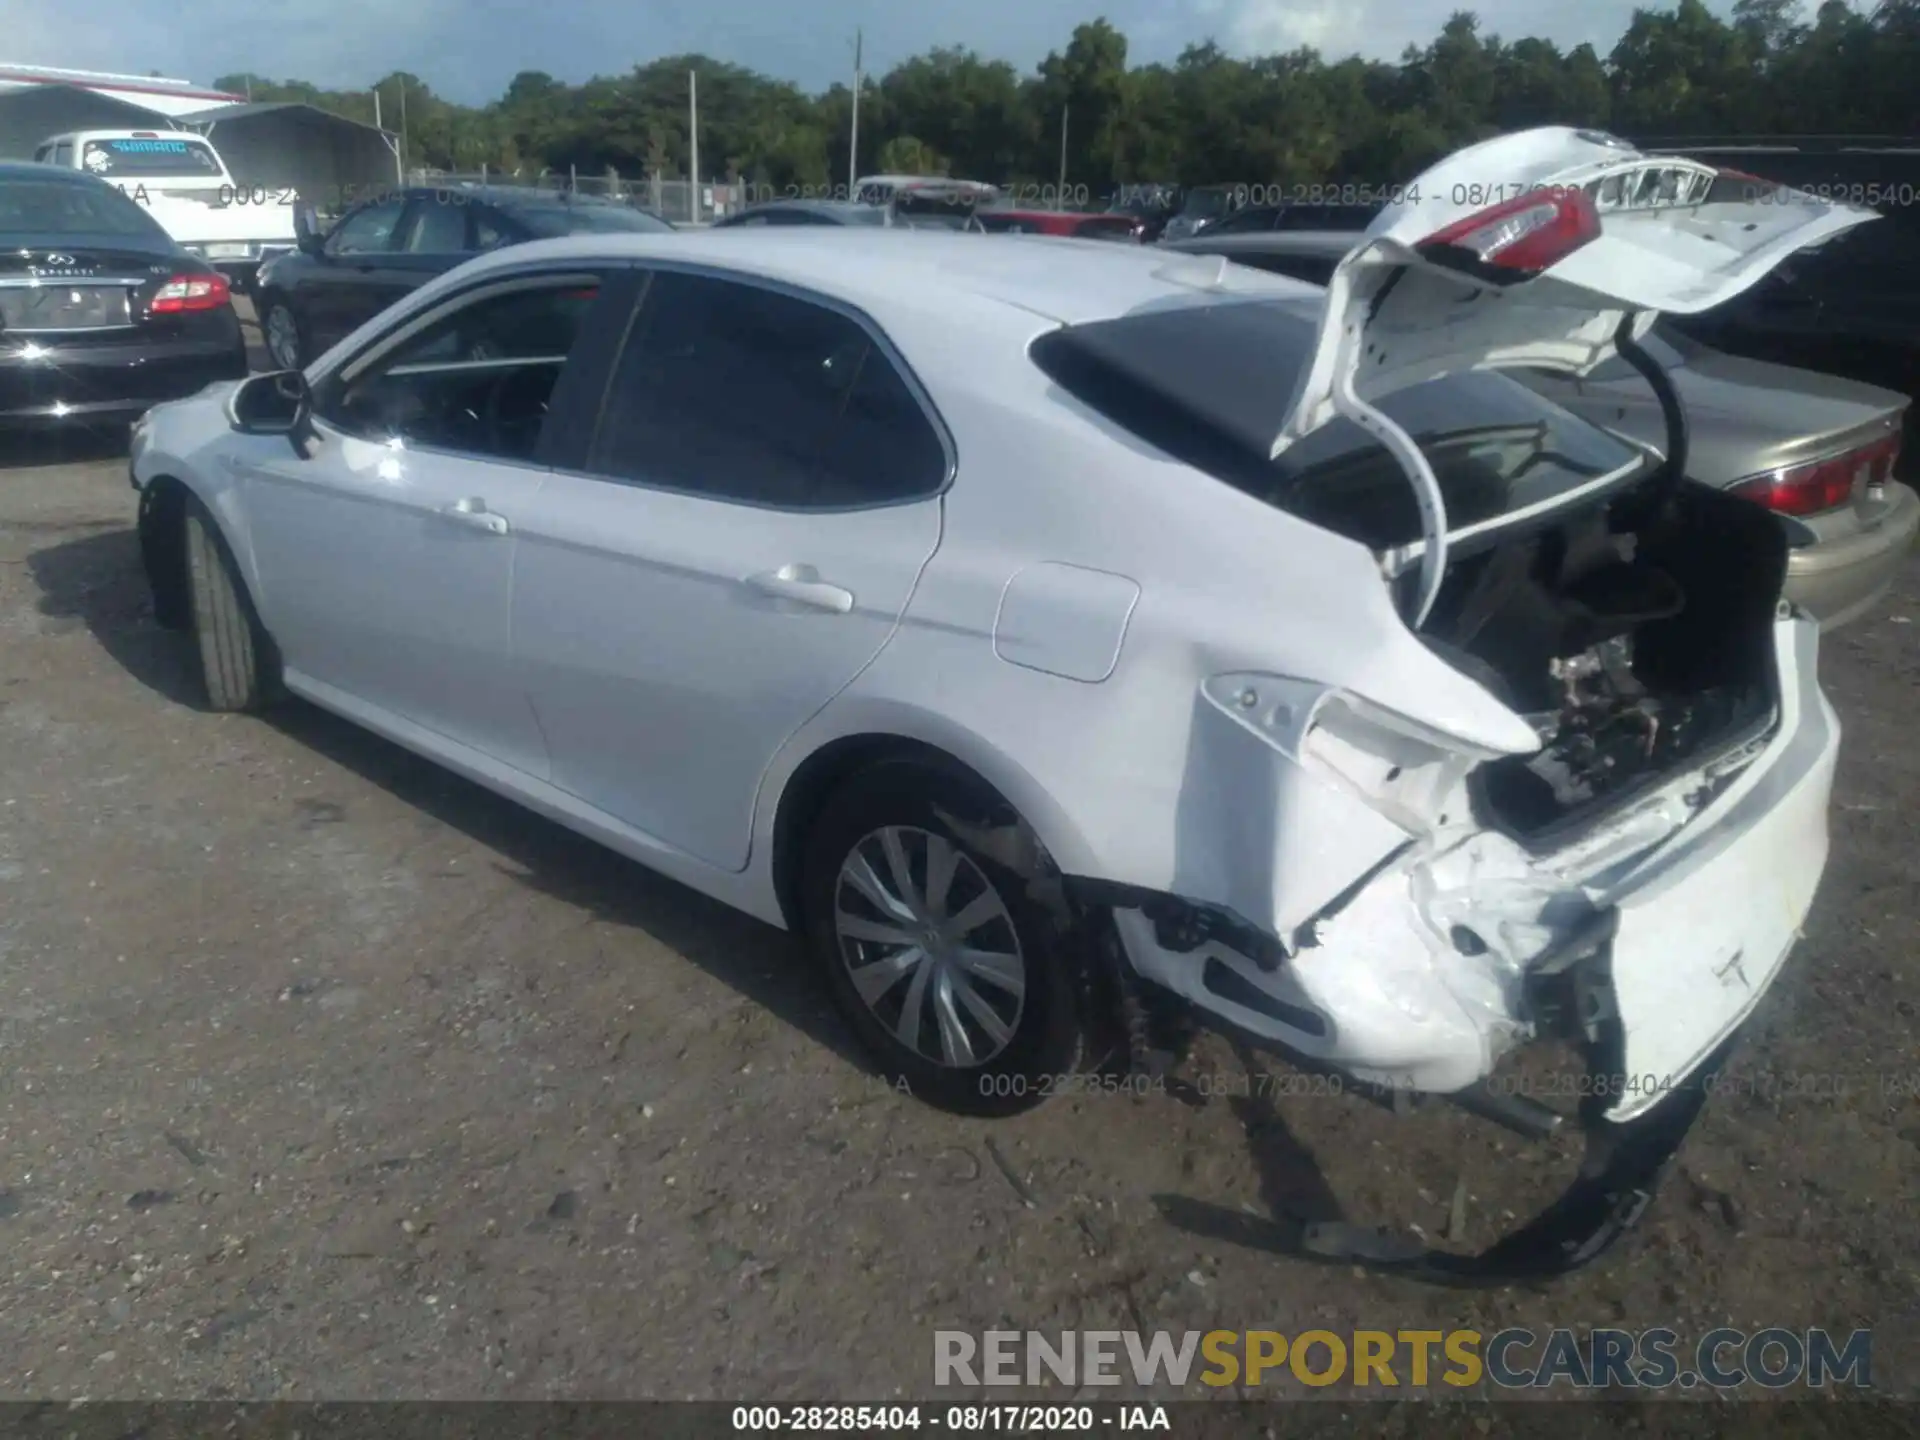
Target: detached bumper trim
(1624, 1165)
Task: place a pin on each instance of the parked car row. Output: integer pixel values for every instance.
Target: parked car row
(1059, 636)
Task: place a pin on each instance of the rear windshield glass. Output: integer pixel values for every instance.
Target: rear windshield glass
(554, 220)
(162, 155)
(71, 207)
(1670, 350)
(1210, 385)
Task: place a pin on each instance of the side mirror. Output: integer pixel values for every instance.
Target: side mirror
(275, 404)
(306, 229)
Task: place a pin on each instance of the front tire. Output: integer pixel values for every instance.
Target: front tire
(284, 336)
(957, 981)
(237, 660)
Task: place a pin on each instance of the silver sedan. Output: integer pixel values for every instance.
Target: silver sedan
(1818, 450)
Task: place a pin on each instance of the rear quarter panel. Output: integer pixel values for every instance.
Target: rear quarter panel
(1133, 778)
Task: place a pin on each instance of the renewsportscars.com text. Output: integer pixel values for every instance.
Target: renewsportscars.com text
(1602, 1359)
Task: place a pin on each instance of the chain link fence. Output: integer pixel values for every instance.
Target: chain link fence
(680, 201)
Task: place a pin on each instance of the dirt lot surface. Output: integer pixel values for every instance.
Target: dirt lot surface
(326, 1074)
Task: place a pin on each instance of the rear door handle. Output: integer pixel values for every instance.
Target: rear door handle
(802, 585)
(473, 512)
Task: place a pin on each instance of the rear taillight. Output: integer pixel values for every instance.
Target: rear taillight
(1823, 484)
(191, 292)
(1518, 238)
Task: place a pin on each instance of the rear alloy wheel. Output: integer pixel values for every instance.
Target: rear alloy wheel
(951, 975)
(281, 330)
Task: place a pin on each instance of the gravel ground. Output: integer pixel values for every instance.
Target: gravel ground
(324, 1073)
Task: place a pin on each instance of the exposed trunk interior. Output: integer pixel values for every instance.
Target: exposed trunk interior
(1636, 636)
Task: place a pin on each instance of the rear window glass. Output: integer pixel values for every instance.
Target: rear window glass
(554, 220)
(161, 155)
(1669, 350)
(71, 207)
(1210, 385)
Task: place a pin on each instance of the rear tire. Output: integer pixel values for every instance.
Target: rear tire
(237, 660)
(996, 1025)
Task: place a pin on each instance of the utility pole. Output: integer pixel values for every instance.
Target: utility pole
(853, 141)
(693, 143)
(403, 124)
(1060, 196)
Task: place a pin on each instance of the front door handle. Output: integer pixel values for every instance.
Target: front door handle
(802, 585)
(473, 511)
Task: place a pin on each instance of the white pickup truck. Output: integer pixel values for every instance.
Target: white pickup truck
(186, 186)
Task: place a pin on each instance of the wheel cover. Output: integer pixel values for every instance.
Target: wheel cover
(930, 946)
(283, 338)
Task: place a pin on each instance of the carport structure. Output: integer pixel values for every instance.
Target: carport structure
(289, 145)
(31, 114)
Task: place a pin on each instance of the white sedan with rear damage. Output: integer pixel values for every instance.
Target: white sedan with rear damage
(1058, 635)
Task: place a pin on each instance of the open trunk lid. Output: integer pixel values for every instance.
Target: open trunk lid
(1538, 249)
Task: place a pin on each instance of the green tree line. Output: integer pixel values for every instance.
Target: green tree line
(1208, 117)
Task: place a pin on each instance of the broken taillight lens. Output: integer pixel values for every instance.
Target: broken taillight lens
(1518, 238)
(1821, 485)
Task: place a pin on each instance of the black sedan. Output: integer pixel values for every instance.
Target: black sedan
(393, 243)
(101, 314)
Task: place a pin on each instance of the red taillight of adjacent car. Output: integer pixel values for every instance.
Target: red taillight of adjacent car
(184, 293)
(1821, 485)
(1518, 238)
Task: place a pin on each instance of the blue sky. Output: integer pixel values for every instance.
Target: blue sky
(468, 49)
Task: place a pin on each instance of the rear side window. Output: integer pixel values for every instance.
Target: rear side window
(435, 226)
(149, 156)
(1211, 384)
(367, 231)
(748, 394)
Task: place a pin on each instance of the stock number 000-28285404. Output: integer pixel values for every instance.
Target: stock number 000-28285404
(962, 1419)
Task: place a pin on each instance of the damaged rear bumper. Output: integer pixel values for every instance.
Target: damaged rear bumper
(1623, 1167)
(1656, 951)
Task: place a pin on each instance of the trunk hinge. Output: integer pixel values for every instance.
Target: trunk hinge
(1671, 410)
(1426, 488)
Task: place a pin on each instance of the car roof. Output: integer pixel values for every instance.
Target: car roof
(1068, 281)
(1270, 242)
(34, 170)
